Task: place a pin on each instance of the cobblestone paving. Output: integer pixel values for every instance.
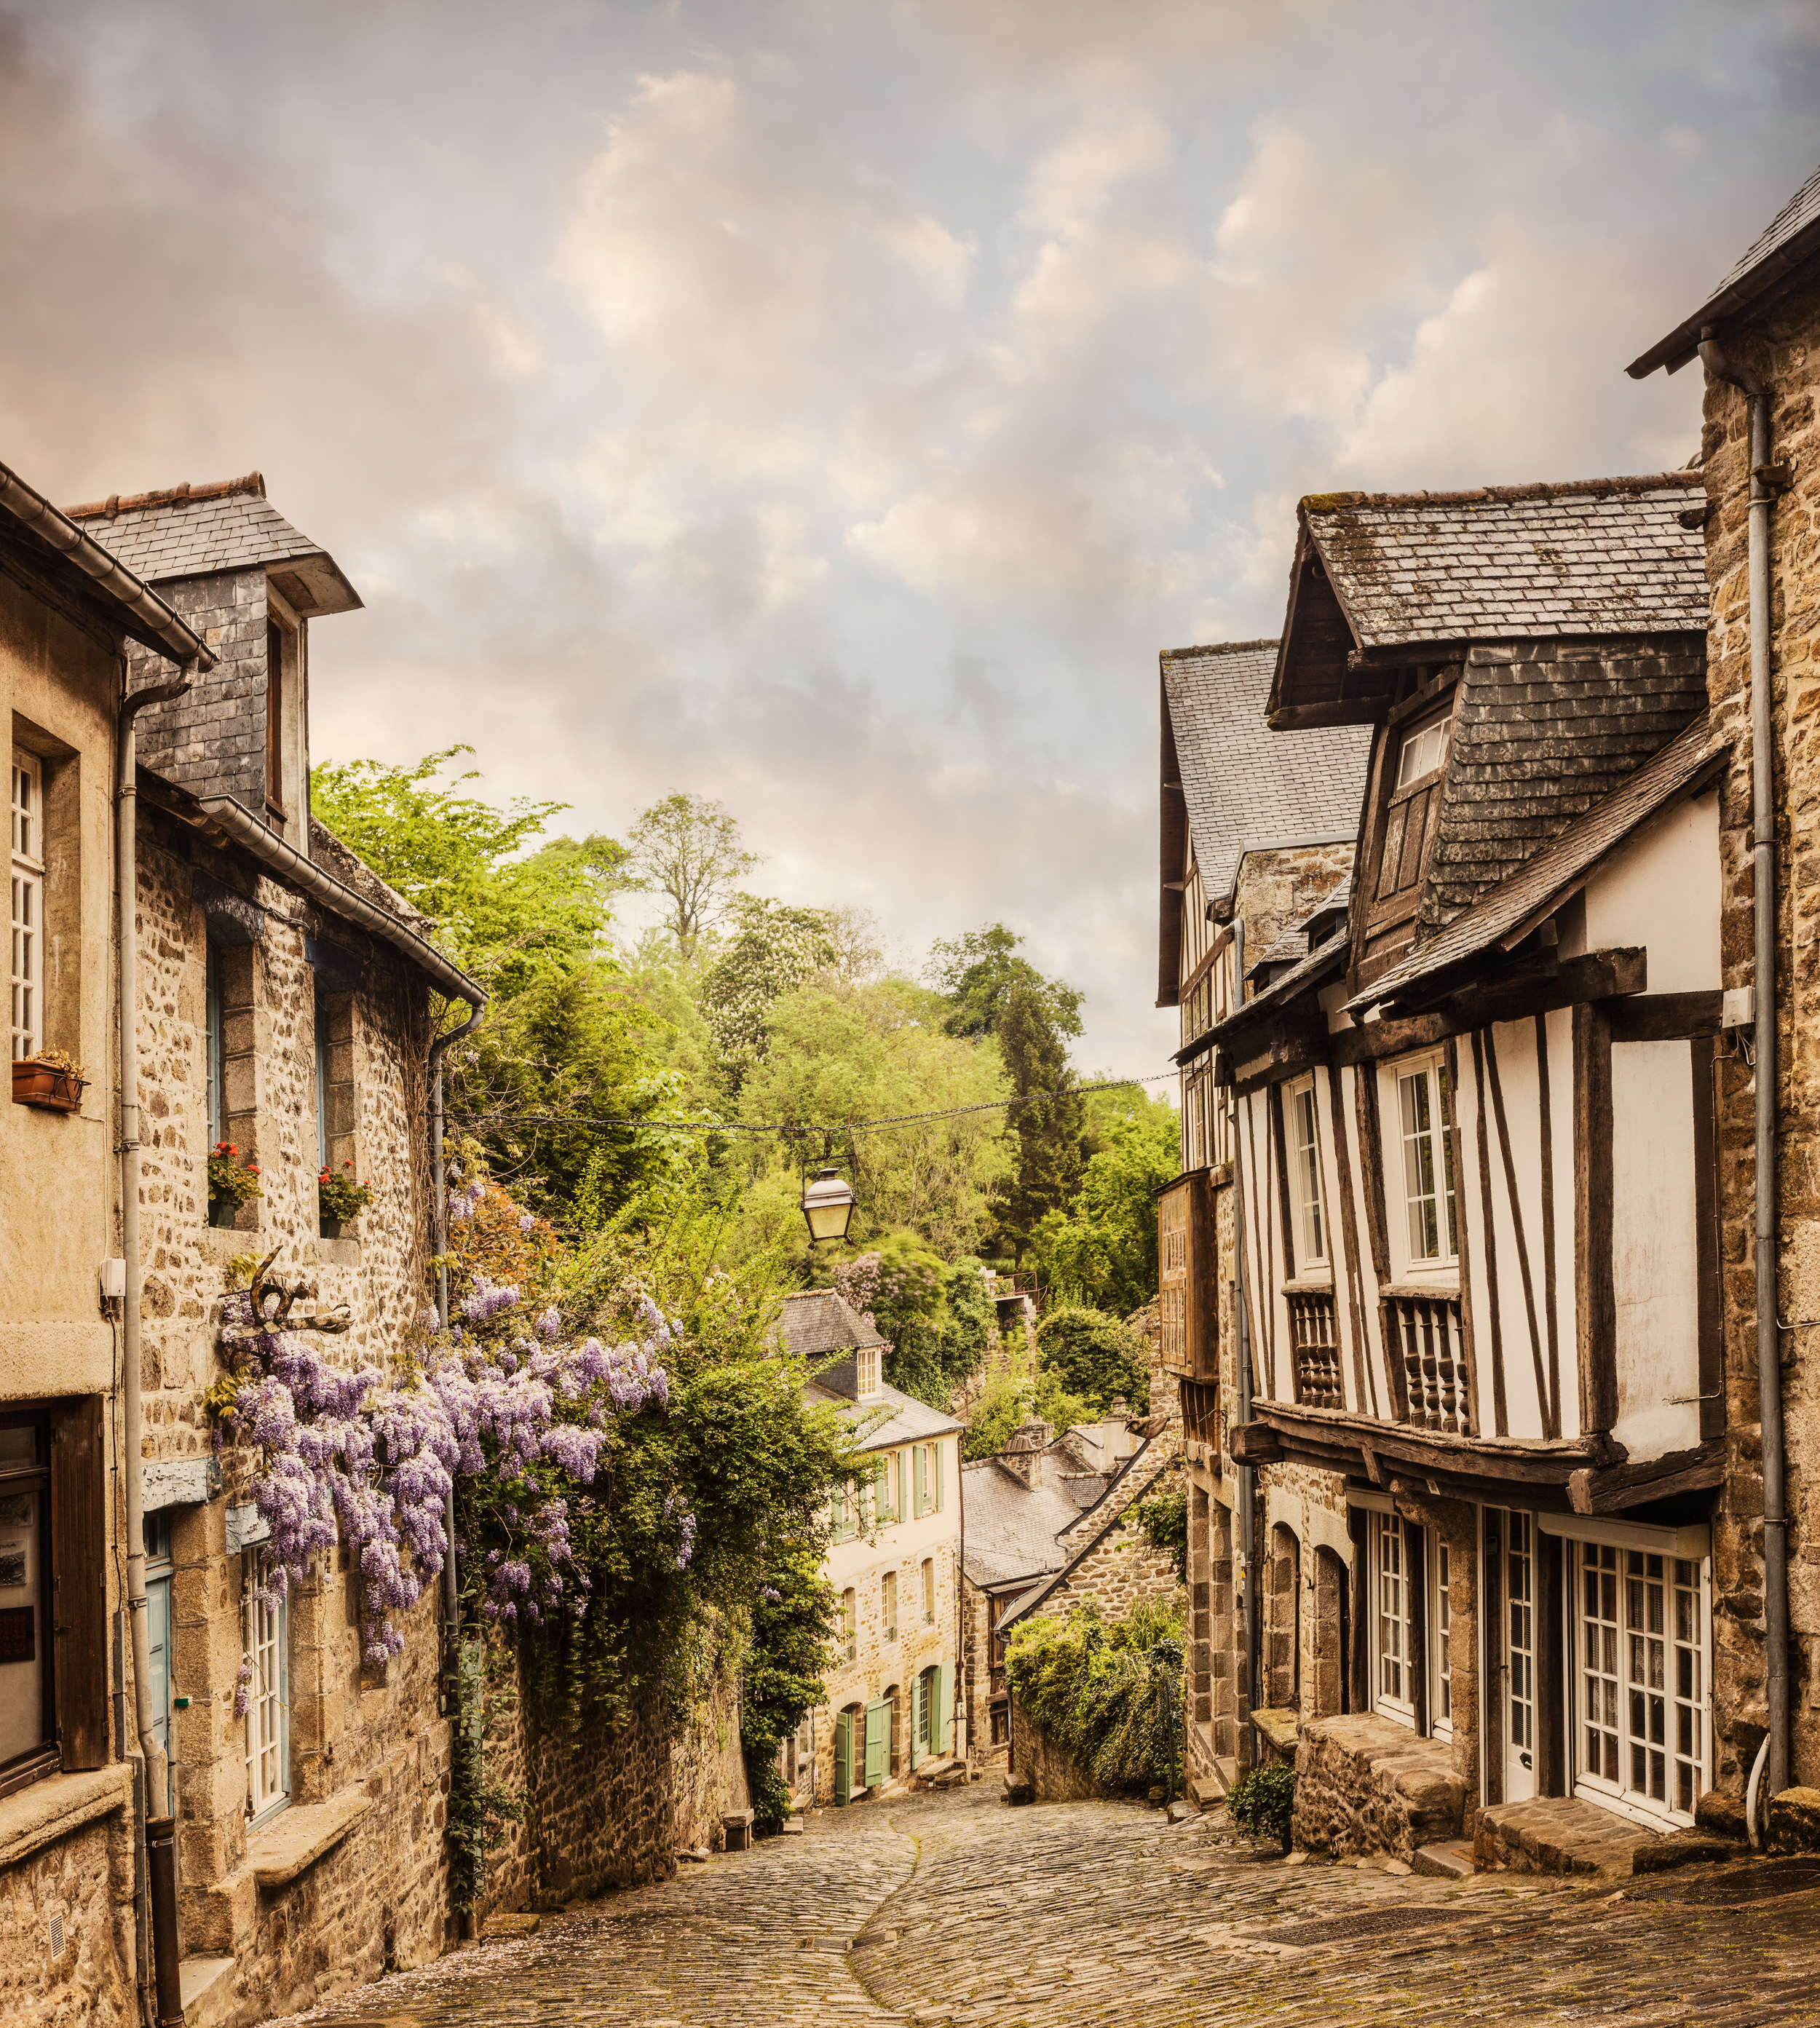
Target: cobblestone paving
(958, 1909)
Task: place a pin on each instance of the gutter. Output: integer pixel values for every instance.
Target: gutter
(158, 627)
(1769, 1327)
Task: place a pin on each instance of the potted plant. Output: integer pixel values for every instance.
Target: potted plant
(49, 1078)
(230, 1184)
(339, 1199)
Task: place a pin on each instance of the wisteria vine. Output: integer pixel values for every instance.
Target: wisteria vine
(351, 1456)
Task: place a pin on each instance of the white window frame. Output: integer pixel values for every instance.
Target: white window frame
(888, 1587)
(868, 1366)
(1302, 1125)
(1439, 1564)
(1397, 1703)
(1628, 1646)
(1404, 1179)
(27, 949)
(268, 1633)
(1423, 751)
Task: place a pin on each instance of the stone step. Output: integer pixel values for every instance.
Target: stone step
(206, 1985)
(1452, 1859)
(1207, 1789)
(1563, 1834)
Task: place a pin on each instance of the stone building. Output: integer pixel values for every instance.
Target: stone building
(1757, 339)
(894, 1563)
(1460, 1311)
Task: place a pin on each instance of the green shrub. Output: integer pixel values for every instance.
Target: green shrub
(1263, 1801)
(1164, 1521)
(1108, 1692)
(1096, 1355)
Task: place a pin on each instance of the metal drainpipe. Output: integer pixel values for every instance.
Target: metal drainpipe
(162, 1882)
(1241, 1360)
(1763, 982)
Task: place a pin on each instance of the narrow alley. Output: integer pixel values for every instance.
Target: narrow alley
(955, 1908)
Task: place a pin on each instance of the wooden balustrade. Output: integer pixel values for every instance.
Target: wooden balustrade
(1425, 1335)
(1317, 1351)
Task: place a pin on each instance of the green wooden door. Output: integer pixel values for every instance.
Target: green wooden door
(844, 1757)
(878, 1742)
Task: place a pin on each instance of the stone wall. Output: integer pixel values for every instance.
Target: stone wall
(1054, 1773)
(67, 1931)
(1363, 1785)
(1120, 1569)
(1784, 348)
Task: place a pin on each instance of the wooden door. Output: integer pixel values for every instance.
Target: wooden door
(843, 1756)
(878, 1742)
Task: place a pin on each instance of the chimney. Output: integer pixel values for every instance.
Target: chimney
(1023, 1455)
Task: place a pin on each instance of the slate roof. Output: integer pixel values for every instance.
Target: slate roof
(1012, 1528)
(1560, 869)
(1015, 1608)
(194, 530)
(1505, 563)
(1246, 787)
(902, 1419)
(818, 1321)
(1772, 261)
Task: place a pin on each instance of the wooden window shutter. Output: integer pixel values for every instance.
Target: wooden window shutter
(938, 1448)
(275, 715)
(79, 1582)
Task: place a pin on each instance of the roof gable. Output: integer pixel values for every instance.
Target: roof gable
(1382, 581)
(196, 531)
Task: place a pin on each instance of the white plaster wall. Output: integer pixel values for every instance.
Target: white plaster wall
(1663, 891)
(1655, 1248)
(1520, 1085)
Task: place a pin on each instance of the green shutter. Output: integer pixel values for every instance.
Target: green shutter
(878, 1741)
(944, 1740)
(844, 1757)
(921, 1457)
(939, 1449)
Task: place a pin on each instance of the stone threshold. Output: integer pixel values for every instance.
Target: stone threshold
(38, 1815)
(282, 1849)
(1567, 1834)
(206, 1988)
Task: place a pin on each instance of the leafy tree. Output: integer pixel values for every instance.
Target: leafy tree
(792, 1618)
(688, 850)
(838, 1053)
(1096, 1355)
(1045, 1125)
(1010, 1400)
(935, 1317)
(1108, 1692)
(773, 950)
(506, 913)
(1102, 1250)
(977, 974)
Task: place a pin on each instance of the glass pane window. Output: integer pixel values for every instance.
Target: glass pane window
(27, 1722)
(928, 1591)
(1443, 1640)
(1396, 1691)
(1520, 1587)
(1642, 1637)
(1425, 1110)
(27, 905)
(1423, 751)
(1303, 1137)
(268, 1735)
(890, 1603)
(849, 1626)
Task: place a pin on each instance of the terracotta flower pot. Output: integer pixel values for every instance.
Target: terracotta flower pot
(44, 1084)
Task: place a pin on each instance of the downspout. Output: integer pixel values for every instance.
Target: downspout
(162, 1912)
(1763, 983)
(1241, 1360)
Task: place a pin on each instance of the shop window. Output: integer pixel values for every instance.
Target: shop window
(267, 1710)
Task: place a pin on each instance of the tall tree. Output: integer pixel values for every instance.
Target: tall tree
(1048, 1124)
(977, 974)
(688, 850)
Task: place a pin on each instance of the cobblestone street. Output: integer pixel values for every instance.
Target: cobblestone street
(958, 1909)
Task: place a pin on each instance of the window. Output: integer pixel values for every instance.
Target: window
(1396, 1693)
(845, 1517)
(28, 904)
(849, 1625)
(1642, 1643)
(275, 718)
(1520, 1682)
(28, 1711)
(928, 1591)
(1425, 1114)
(890, 1603)
(1441, 1704)
(871, 1378)
(1423, 751)
(268, 1712)
(321, 1080)
(215, 1059)
(928, 1478)
(1305, 1161)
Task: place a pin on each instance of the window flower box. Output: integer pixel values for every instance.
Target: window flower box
(56, 1087)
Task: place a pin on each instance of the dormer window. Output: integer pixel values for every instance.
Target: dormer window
(1424, 750)
(871, 1377)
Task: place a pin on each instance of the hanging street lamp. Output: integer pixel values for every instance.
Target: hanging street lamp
(828, 1202)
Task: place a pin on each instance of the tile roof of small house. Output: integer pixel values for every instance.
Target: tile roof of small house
(1012, 1528)
(1772, 261)
(1558, 870)
(819, 1320)
(887, 1418)
(1504, 563)
(1247, 788)
(188, 530)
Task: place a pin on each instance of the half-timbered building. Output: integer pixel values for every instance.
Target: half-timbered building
(1471, 1267)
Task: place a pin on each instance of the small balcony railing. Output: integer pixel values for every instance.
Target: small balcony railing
(1426, 1337)
(1200, 1411)
(1317, 1351)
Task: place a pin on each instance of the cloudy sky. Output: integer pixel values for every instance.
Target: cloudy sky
(832, 406)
